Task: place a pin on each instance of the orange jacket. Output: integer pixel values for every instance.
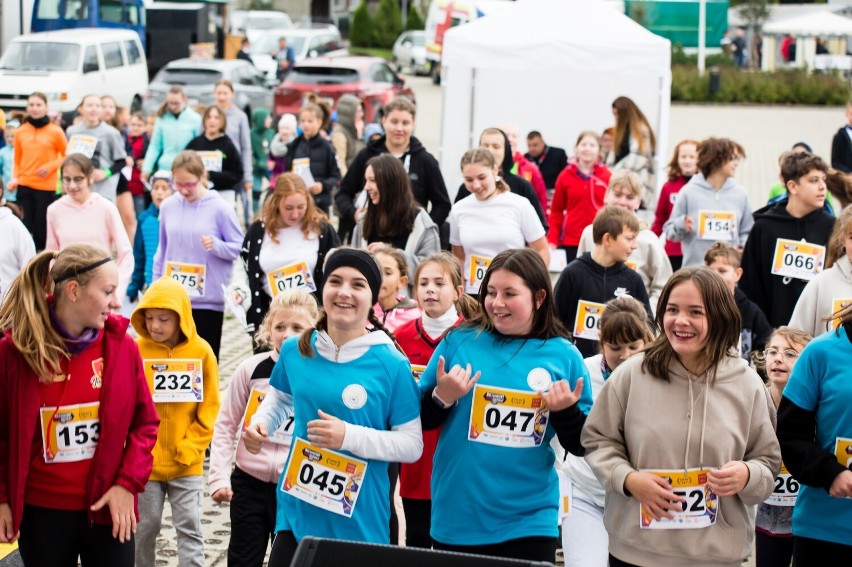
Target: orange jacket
(36, 148)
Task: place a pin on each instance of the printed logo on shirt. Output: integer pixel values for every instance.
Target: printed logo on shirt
(539, 379)
(619, 291)
(354, 396)
(97, 378)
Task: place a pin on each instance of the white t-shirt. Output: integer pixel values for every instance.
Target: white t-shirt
(486, 228)
(292, 248)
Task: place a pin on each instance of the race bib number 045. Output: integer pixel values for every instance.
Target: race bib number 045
(324, 478)
(717, 225)
(191, 276)
(509, 418)
(70, 433)
(700, 504)
(800, 260)
(175, 380)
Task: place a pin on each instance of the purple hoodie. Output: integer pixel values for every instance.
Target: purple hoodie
(182, 224)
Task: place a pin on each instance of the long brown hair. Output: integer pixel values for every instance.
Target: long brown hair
(286, 185)
(25, 311)
(674, 166)
(466, 305)
(836, 247)
(630, 121)
(527, 265)
(396, 210)
(724, 323)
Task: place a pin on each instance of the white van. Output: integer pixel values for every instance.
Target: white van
(68, 64)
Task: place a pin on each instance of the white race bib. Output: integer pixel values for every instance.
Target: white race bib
(717, 225)
(292, 276)
(800, 260)
(509, 418)
(175, 380)
(191, 276)
(587, 322)
(70, 433)
(699, 509)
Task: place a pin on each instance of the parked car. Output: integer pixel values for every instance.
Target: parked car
(368, 78)
(198, 77)
(66, 65)
(305, 43)
(255, 23)
(409, 50)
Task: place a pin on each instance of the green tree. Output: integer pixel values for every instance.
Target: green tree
(415, 20)
(388, 23)
(362, 33)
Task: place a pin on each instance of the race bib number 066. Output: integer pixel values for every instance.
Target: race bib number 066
(509, 418)
(324, 478)
(587, 323)
(800, 260)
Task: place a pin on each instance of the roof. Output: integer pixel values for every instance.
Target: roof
(346, 61)
(217, 64)
(815, 23)
(75, 35)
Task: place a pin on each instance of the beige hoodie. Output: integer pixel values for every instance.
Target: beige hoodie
(640, 422)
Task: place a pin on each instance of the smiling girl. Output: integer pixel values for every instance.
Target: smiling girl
(713, 436)
(502, 386)
(682, 167)
(221, 158)
(83, 217)
(473, 220)
(312, 156)
(286, 247)
(356, 409)
(199, 240)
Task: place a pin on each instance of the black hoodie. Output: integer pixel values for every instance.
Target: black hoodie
(517, 184)
(587, 280)
(427, 183)
(755, 330)
(777, 295)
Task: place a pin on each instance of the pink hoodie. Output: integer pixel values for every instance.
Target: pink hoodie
(249, 384)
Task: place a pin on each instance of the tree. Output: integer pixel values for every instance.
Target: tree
(388, 23)
(362, 33)
(415, 20)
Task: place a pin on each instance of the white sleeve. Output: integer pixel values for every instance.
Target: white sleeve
(455, 237)
(587, 241)
(275, 408)
(531, 226)
(402, 444)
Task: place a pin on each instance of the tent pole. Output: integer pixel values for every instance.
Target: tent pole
(702, 35)
(471, 143)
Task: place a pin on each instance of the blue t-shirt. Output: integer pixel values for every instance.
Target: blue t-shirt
(485, 493)
(821, 382)
(389, 398)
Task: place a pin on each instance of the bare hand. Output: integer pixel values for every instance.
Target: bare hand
(42, 172)
(222, 495)
(688, 224)
(12, 186)
(728, 480)
(207, 242)
(120, 503)
(254, 436)
(6, 535)
(373, 246)
(841, 487)
(359, 214)
(456, 383)
(316, 188)
(98, 175)
(327, 431)
(128, 161)
(654, 493)
(247, 186)
(144, 177)
(560, 396)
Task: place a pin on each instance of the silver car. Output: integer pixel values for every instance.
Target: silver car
(409, 50)
(198, 78)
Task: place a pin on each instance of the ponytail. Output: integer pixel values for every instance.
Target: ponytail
(374, 321)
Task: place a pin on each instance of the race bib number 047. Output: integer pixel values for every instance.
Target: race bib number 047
(509, 418)
(700, 504)
(175, 380)
(324, 478)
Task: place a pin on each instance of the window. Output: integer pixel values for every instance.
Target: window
(110, 11)
(41, 56)
(48, 10)
(90, 62)
(112, 55)
(382, 74)
(132, 51)
(76, 10)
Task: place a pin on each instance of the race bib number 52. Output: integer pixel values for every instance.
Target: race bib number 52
(699, 508)
(324, 478)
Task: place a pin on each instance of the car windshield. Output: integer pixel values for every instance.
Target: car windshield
(268, 24)
(418, 39)
(178, 76)
(323, 75)
(41, 56)
(269, 44)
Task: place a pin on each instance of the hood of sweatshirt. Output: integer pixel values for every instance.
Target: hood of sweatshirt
(699, 180)
(165, 293)
(378, 146)
(68, 202)
(5, 212)
(353, 349)
(258, 119)
(812, 227)
(347, 105)
(598, 270)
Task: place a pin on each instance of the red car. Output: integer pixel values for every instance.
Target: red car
(369, 78)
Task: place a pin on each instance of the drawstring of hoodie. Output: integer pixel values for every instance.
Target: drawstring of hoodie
(689, 413)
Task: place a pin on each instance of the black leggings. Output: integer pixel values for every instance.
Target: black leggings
(772, 551)
(283, 549)
(208, 323)
(34, 203)
(56, 538)
(418, 522)
(808, 552)
(528, 548)
(253, 509)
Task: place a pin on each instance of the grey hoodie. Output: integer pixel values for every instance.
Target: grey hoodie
(697, 196)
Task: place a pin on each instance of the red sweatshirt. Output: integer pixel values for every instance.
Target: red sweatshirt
(664, 210)
(579, 198)
(128, 423)
(529, 171)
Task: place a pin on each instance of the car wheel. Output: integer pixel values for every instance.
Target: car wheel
(435, 71)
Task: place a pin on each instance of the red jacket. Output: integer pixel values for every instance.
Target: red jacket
(529, 171)
(579, 198)
(664, 211)
(128, 423)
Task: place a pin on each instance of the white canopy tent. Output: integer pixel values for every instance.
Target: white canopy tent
(815, 23)
(808, 27)
(553, 66)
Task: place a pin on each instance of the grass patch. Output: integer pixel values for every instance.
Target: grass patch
(382, 52)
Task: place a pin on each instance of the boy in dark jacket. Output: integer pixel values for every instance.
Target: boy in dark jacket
(312, 157)
(841, 144)
(786, 246)
(725, 260)
(594, 278)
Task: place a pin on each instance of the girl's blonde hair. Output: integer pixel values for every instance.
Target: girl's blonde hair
(789, 334)
(466, 305)
(190, 162)
(674, 167)
(627, 179)
(836, 247)
(26, 313)
(292, 299)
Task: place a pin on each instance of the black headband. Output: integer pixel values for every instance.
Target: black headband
(83, 270)
(361, 261)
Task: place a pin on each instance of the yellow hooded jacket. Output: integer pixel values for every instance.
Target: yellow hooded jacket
(186, 427)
